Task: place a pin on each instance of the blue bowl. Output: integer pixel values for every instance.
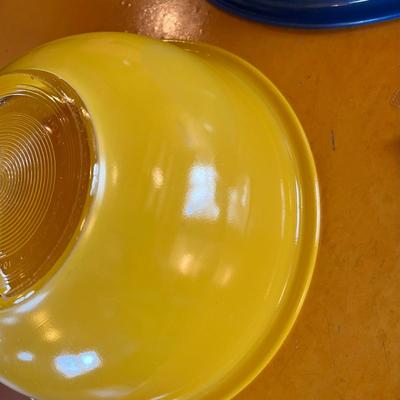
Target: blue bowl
(313, 13)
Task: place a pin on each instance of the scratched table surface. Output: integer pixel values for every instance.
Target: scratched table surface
(344, 86)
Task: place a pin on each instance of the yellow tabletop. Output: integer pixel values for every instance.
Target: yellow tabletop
(344, 87)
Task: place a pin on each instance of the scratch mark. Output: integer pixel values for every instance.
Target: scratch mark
(333, 140)
(383, 342)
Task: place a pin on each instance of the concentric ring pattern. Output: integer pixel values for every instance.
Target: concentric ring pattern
(27, 168)
(46, 157)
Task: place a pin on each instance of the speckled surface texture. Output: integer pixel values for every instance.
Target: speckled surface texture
(345, 87)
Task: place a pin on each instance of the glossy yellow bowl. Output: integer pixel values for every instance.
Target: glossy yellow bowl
(194, 245)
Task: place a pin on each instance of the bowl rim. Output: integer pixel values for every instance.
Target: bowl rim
(247, 371)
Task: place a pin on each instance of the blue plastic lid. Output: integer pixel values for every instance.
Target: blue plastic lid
(313, 13)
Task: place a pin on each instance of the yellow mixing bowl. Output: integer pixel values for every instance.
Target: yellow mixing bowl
(159, 219)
